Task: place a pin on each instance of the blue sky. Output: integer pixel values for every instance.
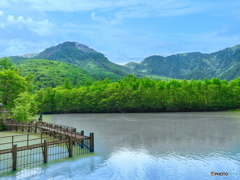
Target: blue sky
(123, 30)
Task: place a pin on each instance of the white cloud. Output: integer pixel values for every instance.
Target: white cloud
(10, 19)
(95, 18)
(115, 11)
(115, 20)
(19, 46)
(137, 7)
(16, 45)
(2, 25)
(78, 5)
(4, 3)
(205, 43)
(41, 28)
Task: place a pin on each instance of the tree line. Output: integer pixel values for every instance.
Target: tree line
(131, 94)
(16, 93)
(141, 95)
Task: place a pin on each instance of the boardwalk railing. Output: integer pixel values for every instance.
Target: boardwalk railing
(47, 142)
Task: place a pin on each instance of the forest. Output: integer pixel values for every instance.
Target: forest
(141, 95)
(131, 94)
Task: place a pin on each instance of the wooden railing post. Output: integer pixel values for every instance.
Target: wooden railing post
(41, 137)
(45, 151)
(59, 135)
(91, 142)
(35, 127)
(27, 139)
(70, 146)
(14, 157)
(82, 134)
(12, 140)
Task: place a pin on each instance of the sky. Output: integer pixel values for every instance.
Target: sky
(123, 30)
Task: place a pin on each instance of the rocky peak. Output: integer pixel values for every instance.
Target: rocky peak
(77, 45)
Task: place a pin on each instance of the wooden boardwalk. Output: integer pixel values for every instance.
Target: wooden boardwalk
(10, 150)
(53, 135)
(58, 131)
(52, 129)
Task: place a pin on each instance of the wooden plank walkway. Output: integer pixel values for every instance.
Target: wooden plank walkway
(23, 148)
(75, 135)
(51, 135)
(61, 135)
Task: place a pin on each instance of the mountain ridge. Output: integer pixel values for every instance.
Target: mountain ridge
(181, 66)
(223, 64)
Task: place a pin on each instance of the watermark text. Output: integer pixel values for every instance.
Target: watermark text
(223, 174)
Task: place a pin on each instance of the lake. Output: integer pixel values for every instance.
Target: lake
(148, 146)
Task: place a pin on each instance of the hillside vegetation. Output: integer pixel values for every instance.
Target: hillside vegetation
(86, 58)
(48, 73)
(93, 62)
(223, 64)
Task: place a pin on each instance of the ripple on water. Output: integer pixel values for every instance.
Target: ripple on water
(173, 146)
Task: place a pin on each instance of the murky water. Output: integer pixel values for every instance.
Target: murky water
(148, 146)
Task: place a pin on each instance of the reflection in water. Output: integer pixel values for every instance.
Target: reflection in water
(129, 164)
(150, 146)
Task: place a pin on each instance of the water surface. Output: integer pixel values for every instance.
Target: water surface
(149, 146)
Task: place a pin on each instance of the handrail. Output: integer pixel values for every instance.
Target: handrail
(50, 127)
(62, 127)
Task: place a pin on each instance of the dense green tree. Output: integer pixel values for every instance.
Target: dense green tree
(11, 85)
(6, 64)
(25, 107)
(67, 84)
(13, 91)
(143, 95)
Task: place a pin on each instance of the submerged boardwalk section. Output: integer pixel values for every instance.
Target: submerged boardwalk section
(42, 143)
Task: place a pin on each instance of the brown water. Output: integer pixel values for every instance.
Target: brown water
(149, 146)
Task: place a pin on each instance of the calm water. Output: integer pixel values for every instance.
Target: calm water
(149, 146)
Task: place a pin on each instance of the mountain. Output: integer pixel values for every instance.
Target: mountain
(223, 64)
(93, 62)
(49, 73)
(16, 59)
(87, 58)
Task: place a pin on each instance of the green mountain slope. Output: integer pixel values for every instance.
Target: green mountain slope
(87, 58)
(52, 73)
(16, 59)
(223, 64)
